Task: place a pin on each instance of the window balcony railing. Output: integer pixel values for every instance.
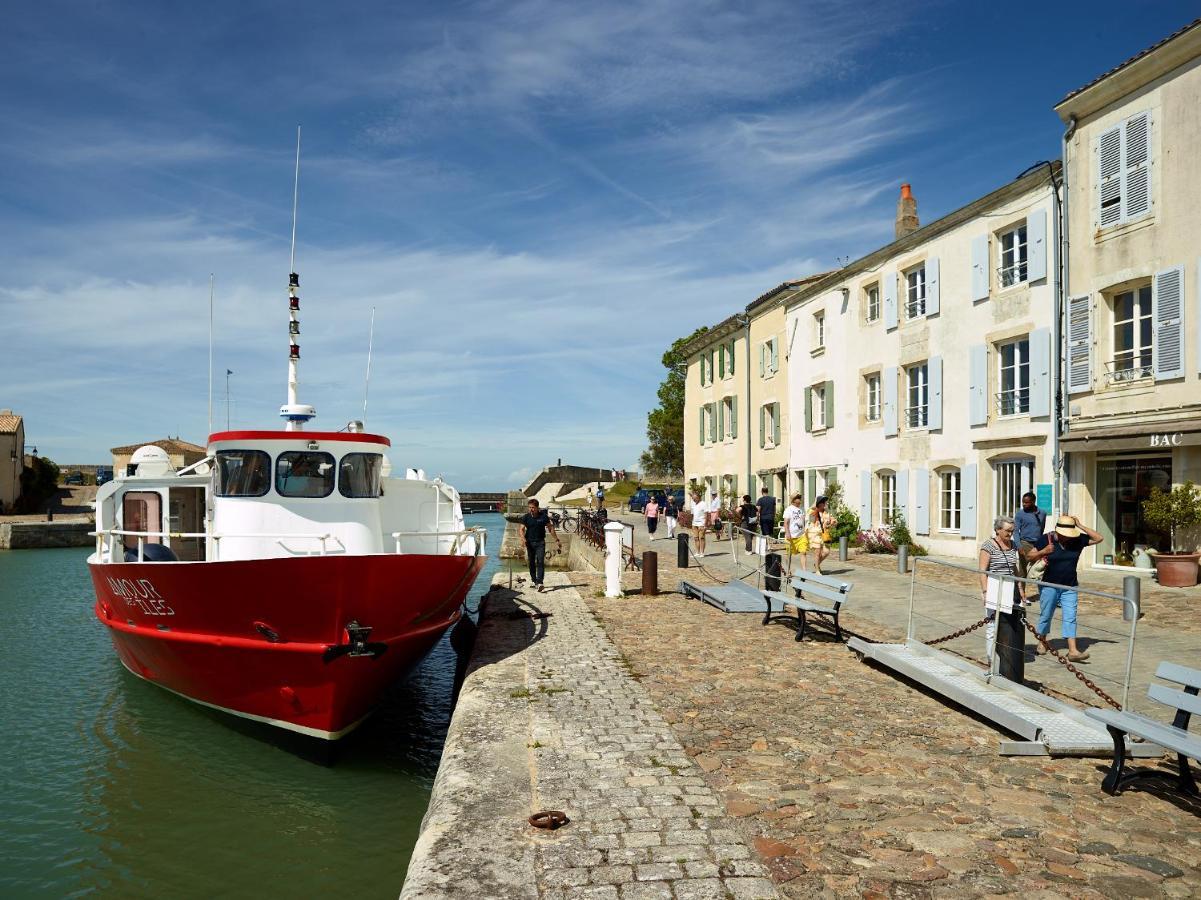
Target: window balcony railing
(915, 309)
(1008, 276)
(917, 416)
(1014, 402)
(1127, 367)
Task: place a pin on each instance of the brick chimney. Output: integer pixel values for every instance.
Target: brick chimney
(906, 213)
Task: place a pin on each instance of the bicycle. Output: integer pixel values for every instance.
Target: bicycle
(564, 521)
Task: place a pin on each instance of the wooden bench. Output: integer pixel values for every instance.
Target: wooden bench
(809, 585)
(1173, 737)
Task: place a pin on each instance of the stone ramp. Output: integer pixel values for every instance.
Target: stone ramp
(551, 716)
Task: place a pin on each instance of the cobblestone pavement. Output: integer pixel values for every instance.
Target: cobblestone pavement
(644, 822)
(856, 783)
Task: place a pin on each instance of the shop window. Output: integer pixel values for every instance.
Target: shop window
(1122, 486)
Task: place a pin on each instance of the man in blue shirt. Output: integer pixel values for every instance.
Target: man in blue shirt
(534, 526)
(1030, 522)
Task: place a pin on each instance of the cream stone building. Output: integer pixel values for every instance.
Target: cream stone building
(736, 400)
(181, 453)
(12, 458)
(1133, 341)
(921, 376)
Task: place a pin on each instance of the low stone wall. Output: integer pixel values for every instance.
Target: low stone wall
(35, 535)
(511, 547)
(585, 558)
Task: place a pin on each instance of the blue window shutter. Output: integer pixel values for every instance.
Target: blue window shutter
(977, 391)
(889, 284)
(921, 501)
(1080, 344)
(1110, 178)
(1036, 245)
(903, 494)
(934, 372)
(932, 285)
(1167, 320)
(1136, 164)
(865, 499)
(980, 268)
(890, 401)
(967, 489)
(1040, 372)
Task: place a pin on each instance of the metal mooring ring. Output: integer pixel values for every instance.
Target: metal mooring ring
(549, 818)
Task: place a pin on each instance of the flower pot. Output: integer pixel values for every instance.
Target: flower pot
(1177, 569)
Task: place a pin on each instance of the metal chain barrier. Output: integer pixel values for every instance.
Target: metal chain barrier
(960, 633)
(1062, 660)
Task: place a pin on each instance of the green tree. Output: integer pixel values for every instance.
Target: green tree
(39, 482)
(664, 454)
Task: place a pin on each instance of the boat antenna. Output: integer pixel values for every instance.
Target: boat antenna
(294, 412)
(367, 381)
(210, 431)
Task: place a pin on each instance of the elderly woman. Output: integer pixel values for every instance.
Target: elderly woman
(999, 556)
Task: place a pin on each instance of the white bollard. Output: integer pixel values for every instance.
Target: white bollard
(613, 559)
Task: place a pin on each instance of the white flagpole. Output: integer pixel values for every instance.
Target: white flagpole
(210, 431)
(367, 383)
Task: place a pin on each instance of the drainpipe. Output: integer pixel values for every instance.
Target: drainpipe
(746, 323)
(1063, 401)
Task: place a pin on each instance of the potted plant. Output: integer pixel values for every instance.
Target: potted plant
(1173, 512)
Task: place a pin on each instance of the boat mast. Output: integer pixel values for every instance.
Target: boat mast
(294, 412)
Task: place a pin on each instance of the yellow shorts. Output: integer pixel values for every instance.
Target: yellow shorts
(798, 544)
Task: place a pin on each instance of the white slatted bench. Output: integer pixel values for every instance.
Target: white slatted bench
(808, 586)
(1173, 737)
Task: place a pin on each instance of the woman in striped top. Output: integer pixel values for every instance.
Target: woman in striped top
(999, 556)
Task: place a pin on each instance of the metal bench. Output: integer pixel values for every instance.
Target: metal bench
(737, 596)
(807, 586)
(1173, 737)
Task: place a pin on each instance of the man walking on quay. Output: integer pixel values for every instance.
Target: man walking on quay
(1061, 549)
(700, 516)
(534, 525)
(767, 514)
(1031, 522)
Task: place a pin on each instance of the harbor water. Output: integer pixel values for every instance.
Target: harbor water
(114, 787)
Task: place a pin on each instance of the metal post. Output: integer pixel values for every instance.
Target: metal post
(844, 552)
(993, 662)
(682, 550)
(912, 585)
(1132, 587)
(903, 559)
(650, 573)
(613, 532)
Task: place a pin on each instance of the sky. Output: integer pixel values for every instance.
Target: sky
(536, 197)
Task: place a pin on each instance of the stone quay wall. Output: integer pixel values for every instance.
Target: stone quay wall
(37, 535)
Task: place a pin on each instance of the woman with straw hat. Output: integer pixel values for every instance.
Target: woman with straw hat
(1061, 549)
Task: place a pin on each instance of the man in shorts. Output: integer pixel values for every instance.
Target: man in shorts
(794, 529)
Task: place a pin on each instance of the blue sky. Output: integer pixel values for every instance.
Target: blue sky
(537, 197)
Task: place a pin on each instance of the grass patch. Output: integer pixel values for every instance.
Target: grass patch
(519, 693)
(543, 689)
(536, 745)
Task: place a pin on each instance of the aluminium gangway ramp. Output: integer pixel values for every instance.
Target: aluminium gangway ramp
(1049, 726)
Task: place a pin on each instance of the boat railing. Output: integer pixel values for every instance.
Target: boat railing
(460, 537)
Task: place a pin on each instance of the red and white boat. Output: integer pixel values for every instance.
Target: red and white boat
(286, 578)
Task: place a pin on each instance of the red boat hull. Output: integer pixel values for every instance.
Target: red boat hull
(259, 638)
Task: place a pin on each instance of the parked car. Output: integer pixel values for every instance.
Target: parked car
(104, 474)
(642, 496)
(73, 478)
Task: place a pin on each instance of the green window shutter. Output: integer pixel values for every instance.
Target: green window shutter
(762, 360)
(702, 370)
(712, 424)
(730, 358)
(808, 409)
(721, 419)
(734, 417)
(831, 478)
(775, 356)
(721, 361)
(712, 356)
(762, 427)
(701, 419)
(829, 404)
(775, 423)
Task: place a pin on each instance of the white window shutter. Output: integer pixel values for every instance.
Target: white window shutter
(1167, 318)
(1110, 177)
(980, 268)
(921, 501)
(967, 494)
(1136, 165)
(903, 495)
(934, 373)
(1080, 344)
(1040, 372)
(932, 285)
(865, 499)
(890, 401)
(888, 282)
(1036, 245)
(977, 392)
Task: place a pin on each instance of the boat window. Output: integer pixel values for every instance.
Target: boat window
(304, 473)
(360, 474)
(243, 473)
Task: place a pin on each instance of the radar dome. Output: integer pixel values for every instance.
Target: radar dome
(151, 461)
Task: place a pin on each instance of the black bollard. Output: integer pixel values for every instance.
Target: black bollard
(682, 550)
(650, 573)
(771, 564)
(1011, 645)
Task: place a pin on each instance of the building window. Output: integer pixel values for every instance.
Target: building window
(729, 417)
(1014, 397)
(873, 398)
(769, 425)
(769, 358)
(915, 292)
(819, 330)
(1132, 335)
(873, 303)
(888, 498)
(819, 406)
(949, 500)
(725, 359)
(917, 415)
(1012, 480)
(1013, 256)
